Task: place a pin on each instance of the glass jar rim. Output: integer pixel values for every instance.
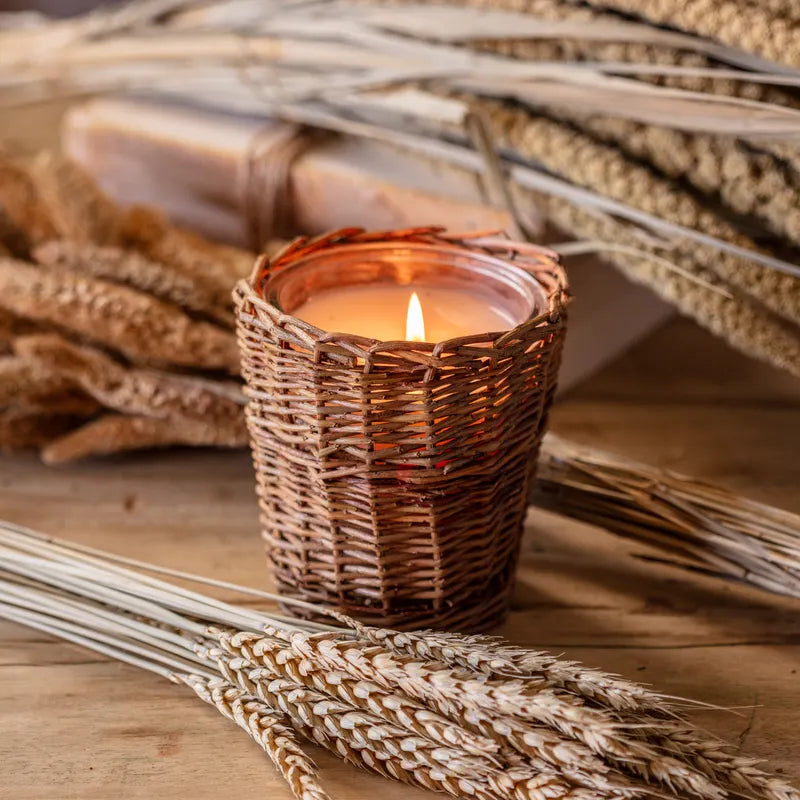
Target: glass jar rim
(498, 274)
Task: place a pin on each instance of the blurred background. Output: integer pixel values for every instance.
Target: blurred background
(58, 8)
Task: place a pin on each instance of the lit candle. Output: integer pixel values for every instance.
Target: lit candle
(376, 289)
(415, 313)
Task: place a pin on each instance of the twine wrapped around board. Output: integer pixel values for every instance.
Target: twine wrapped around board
(392, 476)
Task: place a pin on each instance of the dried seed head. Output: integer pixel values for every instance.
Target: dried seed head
(142, 328)
(75, 204)
(115, 433)
(133, 269)
(130, 390)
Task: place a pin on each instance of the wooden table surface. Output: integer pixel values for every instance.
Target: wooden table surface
(74, 725)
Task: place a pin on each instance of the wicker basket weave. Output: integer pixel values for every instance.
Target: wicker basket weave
(392, 477)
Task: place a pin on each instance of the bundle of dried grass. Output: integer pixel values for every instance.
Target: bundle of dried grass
(109, 310)
(699, 526)
(684, 118)
(469, 716)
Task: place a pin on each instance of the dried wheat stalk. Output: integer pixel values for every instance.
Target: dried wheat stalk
(483, 655)
(273, 655)
(702, 525)
(334, 687)
(546, 749)
(456, 694)
(621, 52)
(266, 727)
(647, 56)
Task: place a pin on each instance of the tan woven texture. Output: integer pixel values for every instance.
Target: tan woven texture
(392, 477)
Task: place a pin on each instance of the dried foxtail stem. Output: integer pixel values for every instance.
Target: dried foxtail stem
(118, 433)
(142, 328)
(35, 388)
(130, 390)
(783, 8)
(693, 72)
(584, 161)
(745, 325)
(751, 183)
(576, 49)
(25, 218)
(748, 27)
(213, 267)
(133, 269)
(22, 428)
(12, 326)
(76, 206)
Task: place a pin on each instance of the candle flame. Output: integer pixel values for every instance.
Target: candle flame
(415, 322)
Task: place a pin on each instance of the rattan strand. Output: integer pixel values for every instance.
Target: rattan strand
(392, 477)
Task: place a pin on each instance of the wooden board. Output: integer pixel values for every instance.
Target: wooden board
(73, 725)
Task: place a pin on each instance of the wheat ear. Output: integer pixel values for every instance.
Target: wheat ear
(391, 751)
(547, 750)
(543, 746)
(454, 693)
(716, 760)
(358, 727)
(282, 662)
(490, 656)
(266, 727)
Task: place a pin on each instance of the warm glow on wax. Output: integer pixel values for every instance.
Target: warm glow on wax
(415, 322)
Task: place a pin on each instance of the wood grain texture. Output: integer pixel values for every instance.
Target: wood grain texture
(73, 725)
